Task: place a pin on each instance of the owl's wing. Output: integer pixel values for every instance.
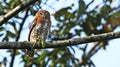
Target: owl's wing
(31, 27)
(48, 28)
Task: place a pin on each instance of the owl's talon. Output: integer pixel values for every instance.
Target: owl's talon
(41, 41)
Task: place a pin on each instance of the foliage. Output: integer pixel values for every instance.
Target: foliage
(71, 23)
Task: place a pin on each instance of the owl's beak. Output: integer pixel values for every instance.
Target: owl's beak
(44, 16)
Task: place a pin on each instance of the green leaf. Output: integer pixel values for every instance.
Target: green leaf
(116, 15)
(81, 8)
(105, 10)
(62, 14)
(2, 28)
(42, 56)
(114, 19)
(5, 38)
(77, 32)
(110, 1)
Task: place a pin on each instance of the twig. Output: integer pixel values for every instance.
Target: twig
(93, 50)
(89, 4)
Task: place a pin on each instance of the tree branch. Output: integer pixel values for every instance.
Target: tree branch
(62, 43)
(16, 10)
(17, 38)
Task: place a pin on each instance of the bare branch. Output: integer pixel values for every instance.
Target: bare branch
(62, 43)
(16, 10)
(17, 38)
(89, 4)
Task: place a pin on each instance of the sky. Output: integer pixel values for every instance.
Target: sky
(104, 58)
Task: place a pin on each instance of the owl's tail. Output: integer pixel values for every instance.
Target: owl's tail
(30, 52)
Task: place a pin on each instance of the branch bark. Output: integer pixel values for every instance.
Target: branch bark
(62, 43)
(16, 10)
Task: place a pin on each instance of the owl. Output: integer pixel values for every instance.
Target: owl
(39, 29)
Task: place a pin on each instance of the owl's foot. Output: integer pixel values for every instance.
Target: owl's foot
(42, 42)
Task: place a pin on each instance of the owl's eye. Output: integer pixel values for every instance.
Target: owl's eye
(41, 14)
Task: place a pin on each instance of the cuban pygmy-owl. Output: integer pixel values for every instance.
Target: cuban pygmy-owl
(39, 29)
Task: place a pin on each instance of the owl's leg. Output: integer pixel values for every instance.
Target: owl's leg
(41, 41)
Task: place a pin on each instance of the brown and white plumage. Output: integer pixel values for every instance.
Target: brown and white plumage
(40, 28)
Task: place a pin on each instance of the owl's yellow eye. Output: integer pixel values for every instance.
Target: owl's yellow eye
(41, 14)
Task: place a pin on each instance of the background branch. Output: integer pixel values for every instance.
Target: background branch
(62, 43)
(18, 36)
(16, 10)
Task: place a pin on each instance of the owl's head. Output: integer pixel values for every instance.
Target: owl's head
(43, 14)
